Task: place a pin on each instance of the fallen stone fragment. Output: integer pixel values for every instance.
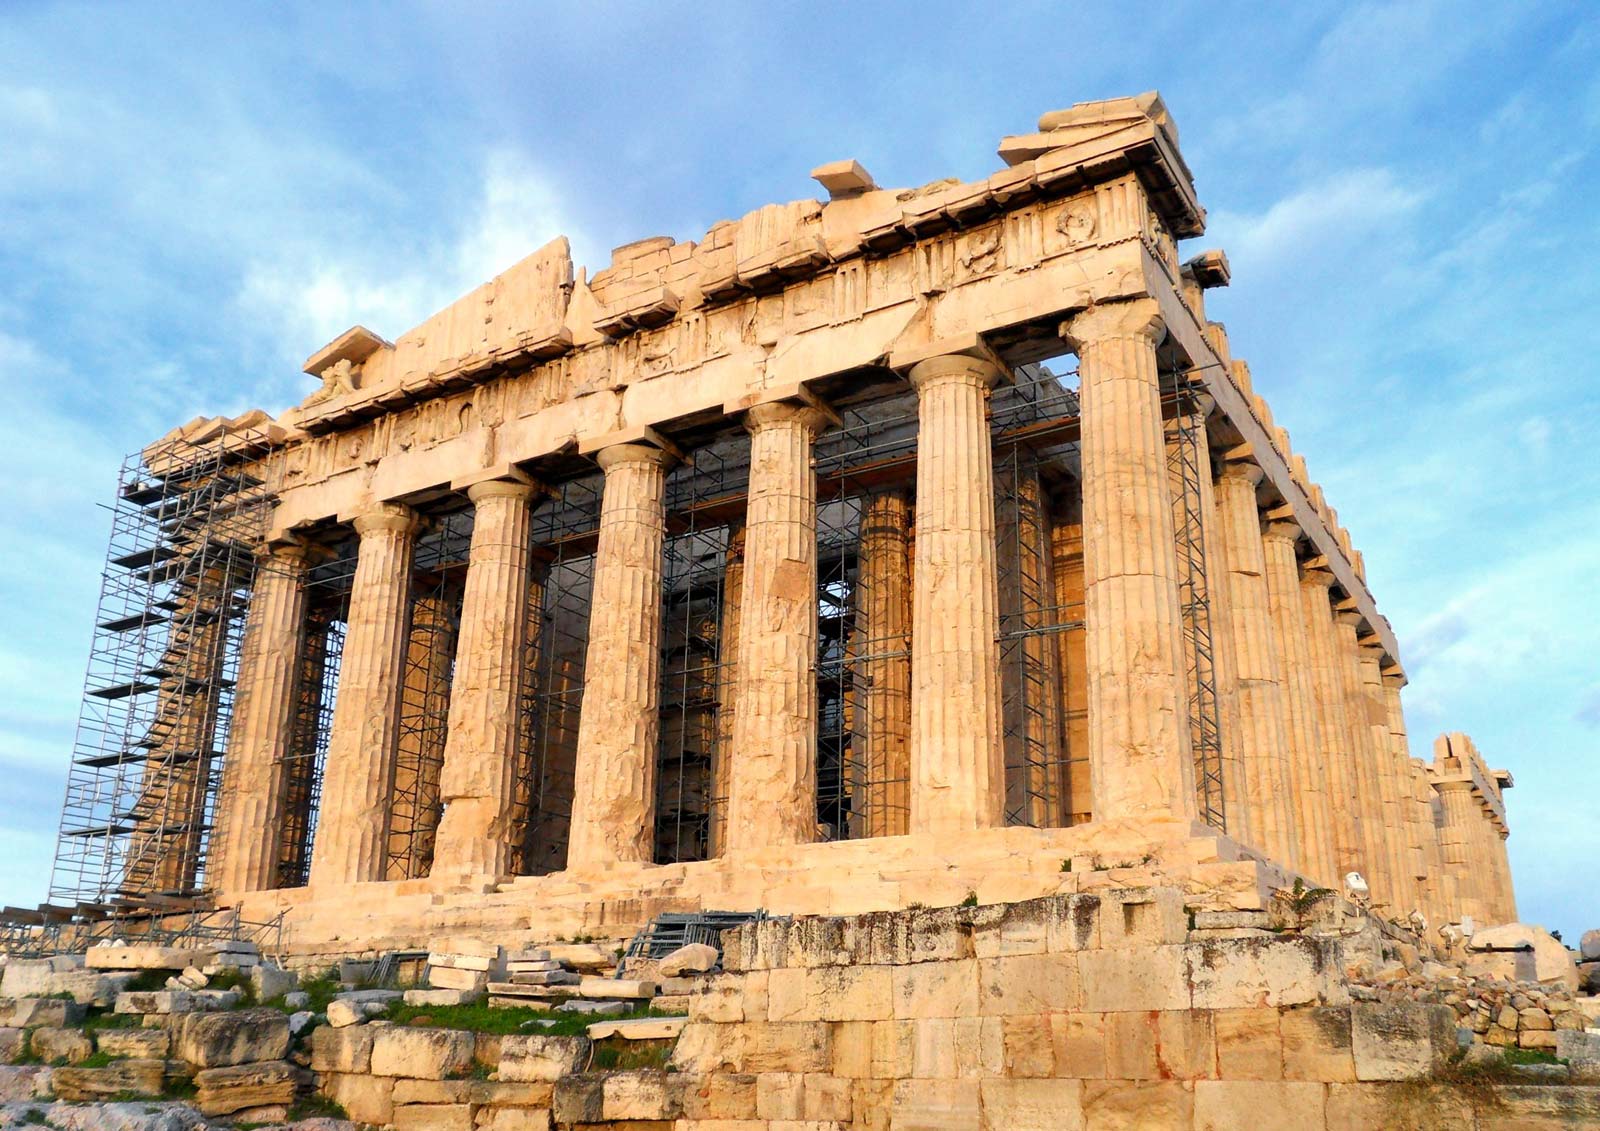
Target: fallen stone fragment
(122, 1077)
(695, 958)
(50, 1045)
(220, 1091)
(31, 1012)
(217, 1040)
(594, 1008)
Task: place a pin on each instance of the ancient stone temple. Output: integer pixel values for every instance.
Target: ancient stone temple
(872, 551)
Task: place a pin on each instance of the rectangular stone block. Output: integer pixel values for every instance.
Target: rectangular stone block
(935, 989)
(424, 1054)
(1031, 1105)
(1079, 1043)
(346, 1050)
(724, 1095)
(1404, 1041)
(641, 1095)
(433, 1117)
(1186, 1045)
(780, 1095)
(156, 1001)
(935, 1105)
(1317, 1044)
(830, 993)
(446, 978)
(1028, 1048)
(1241, 973)
(1131, 1040)
(31, 1012)
(803, 1046)
(144, 957)
(1142, 917)
(1249, 1045)
(1154, 978)
(1229, 1105)
(1138, 1105)
(1029, 983)
(366, 1099)
(534, 1057)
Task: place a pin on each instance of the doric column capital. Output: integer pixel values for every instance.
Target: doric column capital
(1349, 619)
(1316, 575)
(287, 555)
(1138, 319)
(1238, 470)
(813, 418)
(395, 517)
(961, 368)
(503, 489)
(1280, 531)
(618, 454)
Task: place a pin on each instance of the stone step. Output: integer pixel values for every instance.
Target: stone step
(639, 1029)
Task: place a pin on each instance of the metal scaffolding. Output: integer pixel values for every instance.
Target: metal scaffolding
(1187, 432)
(147, 755)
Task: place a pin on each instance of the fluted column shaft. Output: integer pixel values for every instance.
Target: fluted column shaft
(1140, 752)
(261, 735)
(1369, 797)
(1066, 551)
(773, 769)
(424, 722)
(1313, 808)
(1507, 906)
(1414, 845)
(358, 773)
(1335, 743)
(1456, 840)
(614, 783)
(1258, 666)
(884, 610)
(1397, 819)
(478, 781)
(957, 763)
(727, 687)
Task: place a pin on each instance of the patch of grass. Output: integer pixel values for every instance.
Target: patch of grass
(1530, 1056)
(33, 1117)
(99, 1060)
(99, 1019)
(147, 980)
(1066, 865)
(483, 1018)
(234, 980)
(27, 1055)
(622, 1056)
(971, 900)
(314, 1105)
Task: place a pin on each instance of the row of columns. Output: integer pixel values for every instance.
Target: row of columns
(1320, 776)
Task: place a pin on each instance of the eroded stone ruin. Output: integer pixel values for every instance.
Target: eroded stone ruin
(916, 566)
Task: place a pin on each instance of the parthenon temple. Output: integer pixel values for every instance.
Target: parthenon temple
(874, 550)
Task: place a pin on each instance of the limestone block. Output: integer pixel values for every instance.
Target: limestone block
(442, 997)
(1151, 978)
(30, 1012)
(1402, 1041)
(13, 1043)
(638, 1029)
(88, 987)
(1078, 1041)
(139, 1044)
(724, 998)
(844, 993)
(26, 977)
(342, 1050)
(1552, 962)
(1249, 1044)
(695, 958)
(1317, 1044)
(1031, 1105)
(514, 1119)
(1142, 917)
(583, 956)
(433, 1117)
(1029, 983)
(50, 1045)
(446, 978)
(1119, 1105)
(1229, 973)
(780, 1095)
(1027, 1046)
(784, 1047)
(122, 1077)
(425, 1054)
(366, 1099)
(220, 1091)
(1354, 1107)
(24, 1082)
(935, 1105)
(1186, 1045)
(157, 1001)
(216, 1040)
(535, 1057)
(342, 1014)
(1226, 1105)
(143, 958)
(723, 1096)
(1589, 945)
(270, 982)
(944, 989)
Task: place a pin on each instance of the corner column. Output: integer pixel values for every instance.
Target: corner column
(1369, 796)
(1336, 747)
(477, 783)
(772, 769)
(261, 736)
(1142, 764)
(614, 781)
(358, 778)
(957, 763)
(1258, 666)
(1461, 809)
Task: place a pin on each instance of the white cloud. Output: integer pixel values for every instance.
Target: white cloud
(1300, 229)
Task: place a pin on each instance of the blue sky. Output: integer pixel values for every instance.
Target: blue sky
(195, 197)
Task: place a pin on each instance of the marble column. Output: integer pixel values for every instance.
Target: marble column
(957, 763)
(727, 687)
(1336, 747)
(478, 781)
(1313, 810)
(772, 776)
(1397, 819)
(1141, 757)
(358, 771)
(261, 735)
(1506, 888)
(1461, 811)
(614, 783)
(1412, 799)
(883, 609)
(424, 722)
(1369, 797)
(1258, 661)
(1066, 551)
